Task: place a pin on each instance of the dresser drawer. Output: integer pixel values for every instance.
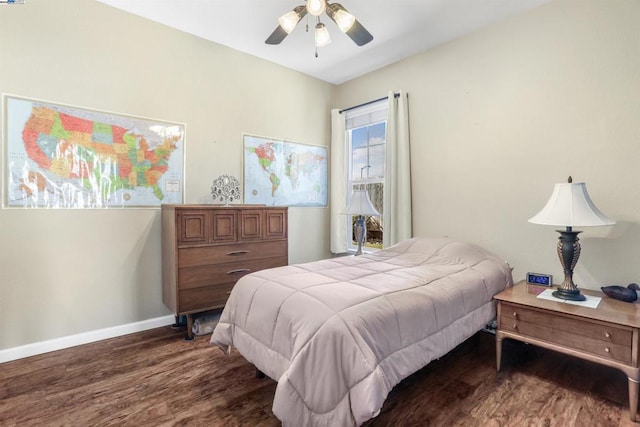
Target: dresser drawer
(206, 255)
(204, 298)
(194, 277)
(597, 338)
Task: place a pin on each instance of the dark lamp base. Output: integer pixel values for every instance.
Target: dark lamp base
(569, 295)
(568, 252)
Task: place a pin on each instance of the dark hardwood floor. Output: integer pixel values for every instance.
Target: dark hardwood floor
(154, 378)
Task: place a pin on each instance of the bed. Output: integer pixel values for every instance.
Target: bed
(338, 334)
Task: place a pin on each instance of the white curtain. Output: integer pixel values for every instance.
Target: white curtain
(397, 182)
(338, 221)
(397, 173)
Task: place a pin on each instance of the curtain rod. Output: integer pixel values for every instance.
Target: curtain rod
(395, 95)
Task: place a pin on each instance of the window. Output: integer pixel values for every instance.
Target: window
(366, 145)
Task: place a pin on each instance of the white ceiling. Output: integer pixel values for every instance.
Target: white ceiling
(400, 28)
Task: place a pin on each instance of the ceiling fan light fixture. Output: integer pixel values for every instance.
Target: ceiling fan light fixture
(344, 20)
(316, 7)
(322, 35)
(347, 23)
(289, 20)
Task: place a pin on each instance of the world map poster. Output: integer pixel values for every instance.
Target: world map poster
(59, 156)
(280, 173)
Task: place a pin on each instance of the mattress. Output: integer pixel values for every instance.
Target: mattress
(338, 334)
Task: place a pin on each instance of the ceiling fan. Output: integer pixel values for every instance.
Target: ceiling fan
(347, 23)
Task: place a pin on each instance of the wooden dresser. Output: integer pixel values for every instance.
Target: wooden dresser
(207, 248)
(607, 335)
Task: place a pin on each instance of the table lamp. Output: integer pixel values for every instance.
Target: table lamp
(361, 206)
(570, 206)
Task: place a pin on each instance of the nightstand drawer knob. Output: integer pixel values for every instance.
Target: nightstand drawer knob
(607, 349)
(515, 315)
(515, 326)
(607, 334)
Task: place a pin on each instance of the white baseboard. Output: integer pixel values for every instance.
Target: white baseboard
(83, 338)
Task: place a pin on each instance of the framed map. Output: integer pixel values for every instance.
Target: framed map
(280, 173)
(58, 156)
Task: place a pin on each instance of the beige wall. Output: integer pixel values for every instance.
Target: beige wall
(496, 119)
(64, 272)
(500, 116)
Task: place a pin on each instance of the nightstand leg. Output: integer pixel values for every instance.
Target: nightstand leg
(633, 399)
(499, 353)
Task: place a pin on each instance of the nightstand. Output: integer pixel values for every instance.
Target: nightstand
(607, 334)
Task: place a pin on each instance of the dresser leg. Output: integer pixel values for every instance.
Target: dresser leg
(498, 353)
(189, 336)
(633, 399)
(176, 324)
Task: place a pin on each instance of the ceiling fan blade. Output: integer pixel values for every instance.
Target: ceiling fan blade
(348, 24)
(359, 34)
(280, 33)
(277, 36)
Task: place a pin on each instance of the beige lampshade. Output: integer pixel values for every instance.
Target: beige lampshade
(361, 204)
(571, 206)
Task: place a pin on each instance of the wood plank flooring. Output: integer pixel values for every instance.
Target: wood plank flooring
(154, 378)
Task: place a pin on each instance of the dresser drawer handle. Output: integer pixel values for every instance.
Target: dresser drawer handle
(236, 253)
(239, 270)
(607, 350)
(515, 326)
(607, 334)
(515, 314)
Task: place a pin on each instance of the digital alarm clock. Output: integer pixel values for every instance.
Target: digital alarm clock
(539, 279)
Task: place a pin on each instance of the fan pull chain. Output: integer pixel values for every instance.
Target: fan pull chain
(314, 38)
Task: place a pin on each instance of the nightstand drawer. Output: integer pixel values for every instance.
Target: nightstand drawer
(597, 338)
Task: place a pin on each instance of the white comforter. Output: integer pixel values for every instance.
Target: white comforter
(338, 334)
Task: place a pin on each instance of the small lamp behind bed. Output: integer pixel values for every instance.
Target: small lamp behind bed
(360, 205)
